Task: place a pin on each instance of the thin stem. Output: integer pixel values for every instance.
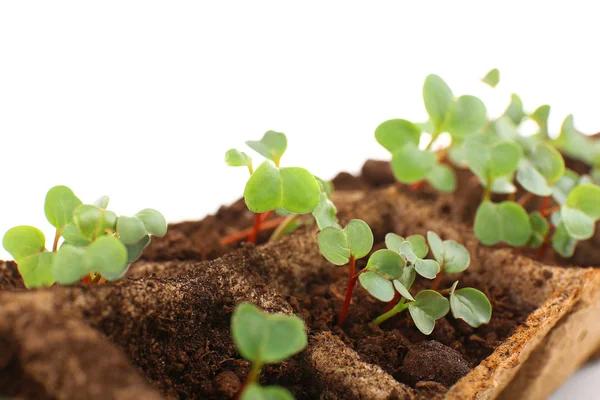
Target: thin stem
(396, 310)
(549, 211)
(251, 378)
(56, 238)
(525, 199)
(264, 226)
(255, 228)
(487, 194)
(351, 283)
(280, 230)
(544, 204)
(392, 302)
(415, 187)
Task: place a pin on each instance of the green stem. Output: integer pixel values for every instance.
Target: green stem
(251, 378)
(56, 238)
(278, 233)
(487, 194)
(398, 308)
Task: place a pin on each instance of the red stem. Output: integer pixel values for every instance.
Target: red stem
(351, 284)
(393, 302)
(544, 205)
(415, 187)
(264, 226)
(258, 220)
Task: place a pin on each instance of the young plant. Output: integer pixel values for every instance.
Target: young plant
(263, 338)
(345, 246)
(427, 306)
(291, 189)
(97, 244)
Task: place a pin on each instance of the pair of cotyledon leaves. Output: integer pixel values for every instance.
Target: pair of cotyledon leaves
(265, 339)
(89, 245)
(461, 117)
(269, 187)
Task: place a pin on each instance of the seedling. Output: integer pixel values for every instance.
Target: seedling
(263, 338)
(291, 189)
(97, 244)
(427, 306)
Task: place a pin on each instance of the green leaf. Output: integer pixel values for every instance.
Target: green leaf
(69, 265)
(59, 206)
(489, 158)
(492, 77)
(154, 222)
(540, 228)
(236, 158)
(102, 202)
(393, 241)
(442, 178)
(326, 186)
(438, 99)
(92, 221)
(563, 243)
(506, 221)
(325, 213)
(130, 229)
(274, 392)
(24, 241)
(396, 133)
(36, 269)
(107, 256)
(333, 244)
(428, 306)
(504, 158)
(271, 146)
(437, 246)
(467, 116)
(586, 198)
(532, 180)
(419, 245)
(578, 224)
(470, 305)
(410, 164)
(427, 268)
(407, 251)
(564, 185)
(540, 116)
(263, 190)
(506, 129)
(72, 236)
(377, 286)
(387, 263)
(456, 257)
(300, 191)
(408, 276)
(515, 109)
(266, 338)
(403, 290)
(359, 237)
(548, 161)
(134, 251)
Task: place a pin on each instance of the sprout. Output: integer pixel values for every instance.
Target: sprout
(263, 338)
(427, 306)
(492, 77)
(97, 244)
(503, 222)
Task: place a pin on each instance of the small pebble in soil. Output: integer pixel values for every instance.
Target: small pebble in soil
(227, 383)
(433, 361)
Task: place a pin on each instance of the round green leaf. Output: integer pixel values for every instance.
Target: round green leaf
(427, 268)
(403, 290)
(154, 222)
(130, 229)
(300, 191)
(408, 276)
(467, 116)
(488, 224)
(419, 245)
(256, 392)
(395, 133)
(24, 241)
(92, 221)
(577, 223)
(456, 257)
(333, 244)
(407, 251)
(134, 251)
(59, 206)
(410, 164)
(325, 213)
(393, 241)
(387, 263)
(503, 185)
(532, 180)
(504, 158)
(515, 109)
(377, 286)
(437, 246)
(72, 236)
(102, 202)
(36, 269)
(438, 99)
(428, 306)
(506, 129)
(492, 77)
(540, 116)
(107, 256)
(271, 146)
(539, 224)
(263, 190)
(563, 243)
(442, 177)
(360, 238)
(564, 185)
(470, 305)
(326, 186)
(548, 161)
(69, 265)
(236, 158)
(586, 198)
(506, 221)
(248, 328)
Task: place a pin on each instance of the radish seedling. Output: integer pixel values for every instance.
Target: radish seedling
(97, 243)
(263, 338)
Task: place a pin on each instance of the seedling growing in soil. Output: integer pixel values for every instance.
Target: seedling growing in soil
(97, 244)
(427, 306)
(292, 189)
(263, 338)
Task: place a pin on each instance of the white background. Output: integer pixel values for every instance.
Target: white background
(140, 100)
